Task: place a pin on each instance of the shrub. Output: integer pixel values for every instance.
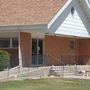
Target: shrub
(4, 59)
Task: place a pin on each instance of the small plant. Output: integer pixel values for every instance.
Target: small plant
(4, 59)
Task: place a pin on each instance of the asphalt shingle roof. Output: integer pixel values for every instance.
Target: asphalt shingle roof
(13, 12)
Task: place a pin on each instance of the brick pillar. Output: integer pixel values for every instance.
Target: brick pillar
(25, 40)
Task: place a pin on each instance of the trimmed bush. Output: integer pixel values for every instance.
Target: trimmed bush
(4, 59)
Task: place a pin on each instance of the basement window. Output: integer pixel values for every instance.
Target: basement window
(72, 44)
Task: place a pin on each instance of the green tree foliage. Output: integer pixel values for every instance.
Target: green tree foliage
(4, 59)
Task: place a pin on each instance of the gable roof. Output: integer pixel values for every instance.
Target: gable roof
(67, 24)
(73, 26)
(16, 12)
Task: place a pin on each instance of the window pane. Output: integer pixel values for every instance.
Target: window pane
(14, 42)
(72, 44)
(4, 42)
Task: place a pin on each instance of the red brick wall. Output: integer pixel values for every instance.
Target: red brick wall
(84, 46)
(84, 49)
(56, 46)
(25, 44)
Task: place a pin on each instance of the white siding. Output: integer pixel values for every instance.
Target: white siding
(73, 25)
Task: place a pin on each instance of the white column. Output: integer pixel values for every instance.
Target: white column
(20, 54)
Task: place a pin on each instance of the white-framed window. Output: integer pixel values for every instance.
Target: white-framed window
(14, 42)
(72, 43)
(4, 42)
(8, 42)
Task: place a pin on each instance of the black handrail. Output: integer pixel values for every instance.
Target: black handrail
(55, 59)
(68, 59)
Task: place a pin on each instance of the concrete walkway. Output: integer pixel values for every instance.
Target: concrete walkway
(77, 77)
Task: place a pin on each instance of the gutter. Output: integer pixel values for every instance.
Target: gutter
(40, 27)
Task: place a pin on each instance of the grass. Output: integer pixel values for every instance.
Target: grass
(46, 84)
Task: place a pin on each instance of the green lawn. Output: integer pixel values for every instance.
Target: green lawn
(46, 84)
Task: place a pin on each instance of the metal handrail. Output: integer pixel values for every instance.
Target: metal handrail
(59, 61)
(56, 59)
(69, 59)
(63, 63)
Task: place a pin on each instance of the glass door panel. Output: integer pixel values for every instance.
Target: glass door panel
(37, 51)
(34, 51)
(40, 52)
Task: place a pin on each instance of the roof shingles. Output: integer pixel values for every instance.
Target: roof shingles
(13, 12)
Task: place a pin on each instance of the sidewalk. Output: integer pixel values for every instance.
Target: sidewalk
(77, 77)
